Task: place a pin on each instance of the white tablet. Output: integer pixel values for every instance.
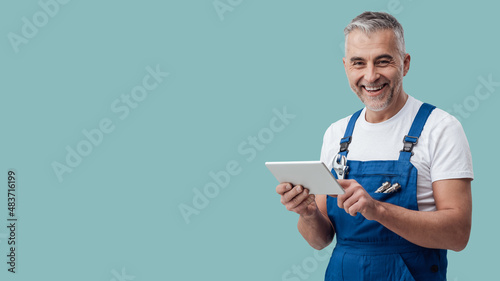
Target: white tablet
(313, 175)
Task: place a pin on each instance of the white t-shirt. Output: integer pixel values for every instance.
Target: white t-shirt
(442, 151)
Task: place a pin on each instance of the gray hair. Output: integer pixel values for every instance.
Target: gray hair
(370, 22)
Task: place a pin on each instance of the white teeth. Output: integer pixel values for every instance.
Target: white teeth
(374, 88)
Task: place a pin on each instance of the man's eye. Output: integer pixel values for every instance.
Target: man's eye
(383, 62)
(357, 63)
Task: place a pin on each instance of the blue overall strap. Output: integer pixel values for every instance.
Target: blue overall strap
(346, 140)
(411, 139)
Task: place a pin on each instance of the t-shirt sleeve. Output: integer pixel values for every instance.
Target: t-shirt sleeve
(450, 153)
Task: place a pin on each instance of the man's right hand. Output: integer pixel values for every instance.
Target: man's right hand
(297, 199)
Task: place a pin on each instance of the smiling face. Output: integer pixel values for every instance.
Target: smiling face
(375, 71)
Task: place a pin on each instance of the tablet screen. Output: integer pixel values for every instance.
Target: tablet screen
(313, 175)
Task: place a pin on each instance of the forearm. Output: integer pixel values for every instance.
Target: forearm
(442, 229)
(316, 230)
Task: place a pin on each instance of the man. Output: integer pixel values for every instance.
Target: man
(408, 185)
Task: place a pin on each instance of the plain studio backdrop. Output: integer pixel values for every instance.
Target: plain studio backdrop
(138, 130)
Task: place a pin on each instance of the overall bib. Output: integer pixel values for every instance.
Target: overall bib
(366, 250)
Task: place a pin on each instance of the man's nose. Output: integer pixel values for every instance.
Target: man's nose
(371, 73)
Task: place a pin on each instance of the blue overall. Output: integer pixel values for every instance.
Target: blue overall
(366, 250)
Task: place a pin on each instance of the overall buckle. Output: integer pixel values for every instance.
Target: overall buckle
(344, 144)
(409, 143)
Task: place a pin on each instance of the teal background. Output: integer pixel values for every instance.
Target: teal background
(119, 209)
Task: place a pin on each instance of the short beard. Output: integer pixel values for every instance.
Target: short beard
(380, 104)
(377, 103)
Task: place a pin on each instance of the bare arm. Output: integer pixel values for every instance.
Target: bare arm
(314, 224)
(446, 228)
(317, 228)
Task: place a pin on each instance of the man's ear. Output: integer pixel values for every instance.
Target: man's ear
(406, 64)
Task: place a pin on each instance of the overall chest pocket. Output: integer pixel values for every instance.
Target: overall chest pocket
(372, 182)
(372, 174)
